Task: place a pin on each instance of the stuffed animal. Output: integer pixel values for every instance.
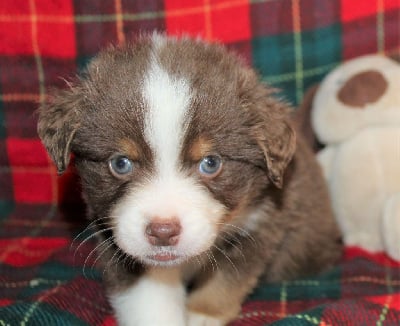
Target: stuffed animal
(356, 115)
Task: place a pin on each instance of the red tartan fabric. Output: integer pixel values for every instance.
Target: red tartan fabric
(46, 278)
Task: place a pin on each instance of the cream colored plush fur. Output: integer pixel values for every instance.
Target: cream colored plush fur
(361, 160)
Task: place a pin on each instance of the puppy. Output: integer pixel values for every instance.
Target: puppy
(192, 172)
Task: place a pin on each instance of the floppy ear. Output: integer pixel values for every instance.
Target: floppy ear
(278, 147)
(58, 122)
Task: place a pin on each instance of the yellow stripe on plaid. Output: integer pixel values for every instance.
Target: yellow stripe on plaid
(42, 90)
(119, 21)
(36, 51)
(311, 319)
(385, 310)
(31, 97)
(28, 315)
(283, 299)
(23, 97)
(16, 244)
(31, 283)
(207, 17)
(298, 49)
(380, 29)
(368, 279)
(57, 19)
(305, 73)
(104, 18)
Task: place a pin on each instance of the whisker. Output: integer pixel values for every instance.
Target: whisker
(212, 260)
(235, 246)
(234, 237)
(111, 243)
(89, 226)
(227, 258)
(91, 237)
(122, 259)
(91, 253)
(241, 230)
(132, 263)
(118, 253)
(198, 261)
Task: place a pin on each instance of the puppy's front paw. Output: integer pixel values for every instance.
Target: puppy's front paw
(195, 319)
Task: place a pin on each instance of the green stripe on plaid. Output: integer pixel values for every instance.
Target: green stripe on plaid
(6, 208)
(51, 274)
(308, 318)
(82, 62)
(325, 286)
(37, 313)
(82, 19)
(276, 59)
(273, 56)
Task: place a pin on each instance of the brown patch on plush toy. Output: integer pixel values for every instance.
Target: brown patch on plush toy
(363, 88)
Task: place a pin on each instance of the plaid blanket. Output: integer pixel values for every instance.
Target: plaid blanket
(46, 278)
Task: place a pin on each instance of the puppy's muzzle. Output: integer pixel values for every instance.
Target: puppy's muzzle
(163, 232)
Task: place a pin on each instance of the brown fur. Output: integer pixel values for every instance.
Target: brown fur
(267, 171)
(302, 119)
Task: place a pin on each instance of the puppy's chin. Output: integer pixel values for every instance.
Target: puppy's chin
(142, 217)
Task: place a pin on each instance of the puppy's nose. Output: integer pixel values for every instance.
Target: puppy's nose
(163, 232)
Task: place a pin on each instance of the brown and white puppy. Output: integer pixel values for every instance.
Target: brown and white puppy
(194, 177)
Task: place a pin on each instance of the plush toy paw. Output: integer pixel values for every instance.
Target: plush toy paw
(325, 158)
(391, 226)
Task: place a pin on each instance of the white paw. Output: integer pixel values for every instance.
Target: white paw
(195, 319)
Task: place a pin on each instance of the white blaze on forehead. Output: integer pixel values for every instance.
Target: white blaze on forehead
(168, 99)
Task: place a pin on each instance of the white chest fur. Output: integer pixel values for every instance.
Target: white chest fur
(157, 298)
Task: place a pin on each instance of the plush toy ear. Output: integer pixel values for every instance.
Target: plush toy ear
(278, 147)
(58, 122)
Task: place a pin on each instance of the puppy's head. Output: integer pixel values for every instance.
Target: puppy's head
(173, 139)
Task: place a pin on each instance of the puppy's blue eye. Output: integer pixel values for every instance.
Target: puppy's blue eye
(121, 166)
(210, 165)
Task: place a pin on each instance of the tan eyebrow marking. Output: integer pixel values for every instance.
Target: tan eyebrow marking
(199, 148)
(130, 148)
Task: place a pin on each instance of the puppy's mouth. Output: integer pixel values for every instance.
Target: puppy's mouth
(164, 256)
